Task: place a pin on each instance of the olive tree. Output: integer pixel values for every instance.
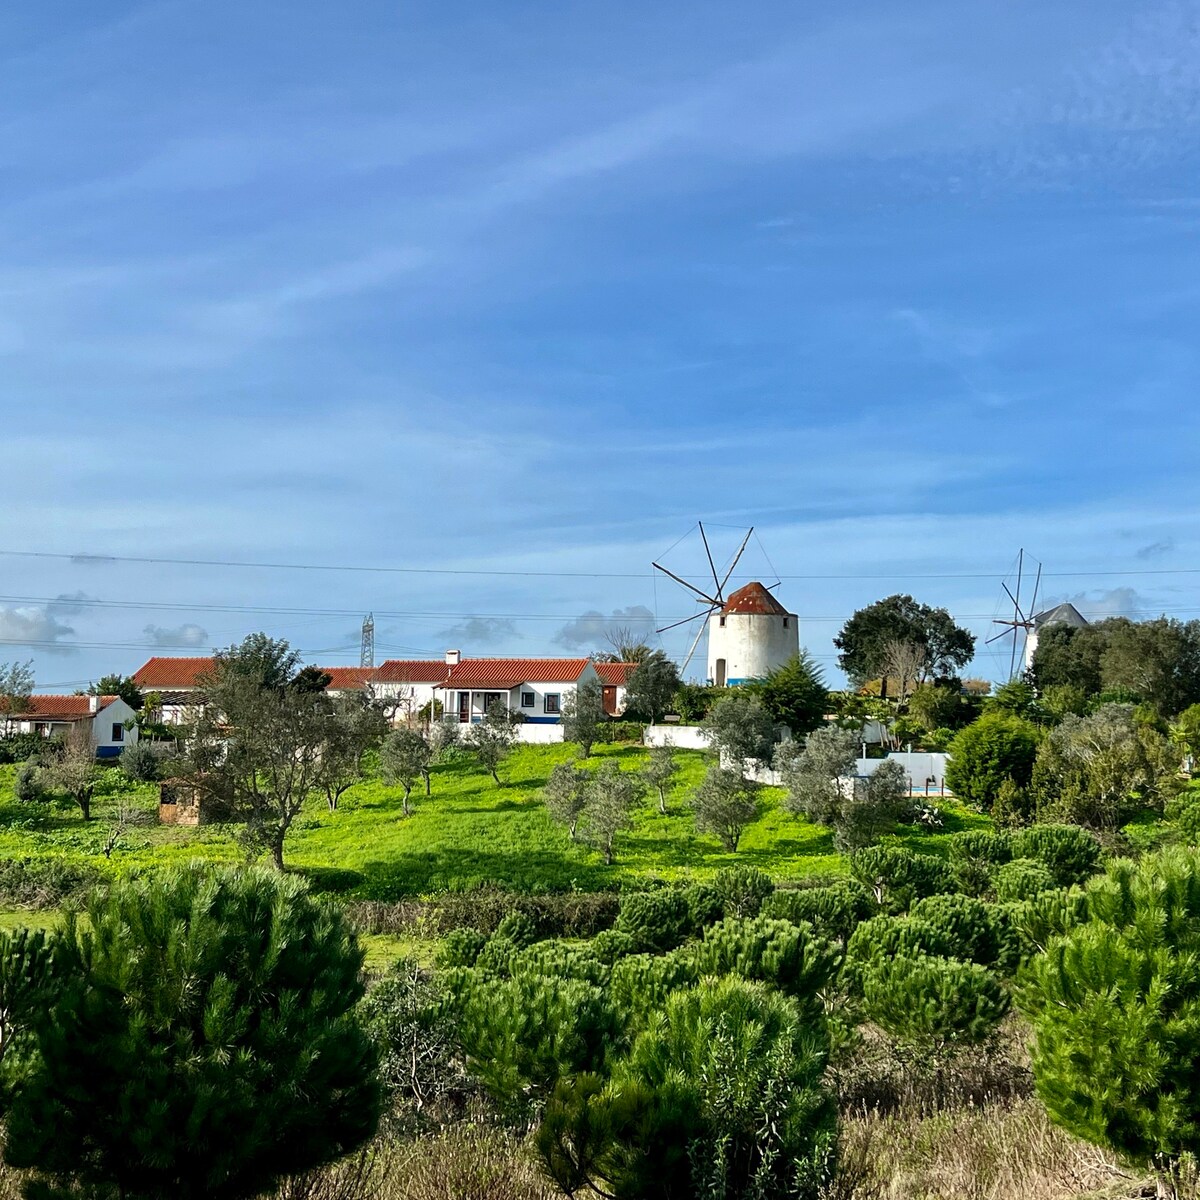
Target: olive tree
(583, 715)
(660, 769)
(724, 804)
(610, 798)
(740, 728)
(404, 759)
(566, 795)
(492, 739)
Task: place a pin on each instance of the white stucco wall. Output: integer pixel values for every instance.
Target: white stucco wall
(686, 737)
(752, 644)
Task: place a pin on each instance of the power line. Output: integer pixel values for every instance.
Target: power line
(101, 559)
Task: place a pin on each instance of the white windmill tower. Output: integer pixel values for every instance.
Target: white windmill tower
(749, 632)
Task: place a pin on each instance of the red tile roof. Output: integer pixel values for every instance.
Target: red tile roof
(754, 598)
(347, 679)
(508, 672)
(61, 708)
(614, 674)
(173, 673)
(412, 670)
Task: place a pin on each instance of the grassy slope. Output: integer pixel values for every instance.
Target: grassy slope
(468, 832)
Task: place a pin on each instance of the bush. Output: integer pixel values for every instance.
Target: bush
(227, 996)
(656, 921)
(705, 906)
(932, 1004)
(883, 938)
(895, 877)
(560, 960)
(1113, 1004)
(518, 928)
(1071, 854)
(610, 945)
(742, 890)
(640, 984)
(834, 911)
(138, 762)
(20, 747)
(980, 933)
(786, 956)
(1022, 879)
(45, 882)
(986, 753)
(1047, 915)
(496, 956)
(27, 784)
(521, 1035)
(461, 948)
(974, 855)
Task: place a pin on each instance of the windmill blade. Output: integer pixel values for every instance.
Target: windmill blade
(711, 565)
(1010, 626)
(676, 624)
(695, 643)
(1037, 583)
(1020, 572)
(733, 565)
(690, 586)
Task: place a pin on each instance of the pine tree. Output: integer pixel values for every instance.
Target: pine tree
(204, 1044)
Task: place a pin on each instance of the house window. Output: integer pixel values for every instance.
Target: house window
(526, 699)
(552, 702)
(118, 732)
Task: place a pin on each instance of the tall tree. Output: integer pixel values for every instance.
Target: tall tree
(611, 796)
(651, 686)
(356, 725)
(73, 770)
(660, 769)
(724, 804)
(404, 759)
(566, 795)
(16, 690)
(740, 728)
(256, 744)
(794, 693)
(493, 738)
(583, 715)
(203, 1044)
(867, 636)
(119, 685)
(1159, 660)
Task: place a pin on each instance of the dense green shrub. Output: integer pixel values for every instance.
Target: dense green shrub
(742, 890)
(1114, 1004)
(705, 906)
(20, 747)
(657, 921)
(611, 944)
(722, 1097)
(789, 957)
(931, 1003)
(45, 882)
(895, 877)
(881, 938)
(974, 855)
(460, 948)
(1046, 915)
(520, 1035)
(519, 928)
(205, 1044)
(496, 956)
(560, 960)
(980, 933)
(1022, 879)
(990, 750)
(1071, 853)
(27, 783)
(640, 984)
(834, 911)
(139, 763)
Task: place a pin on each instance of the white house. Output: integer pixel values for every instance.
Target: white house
(750, 636)
(56, 716)
(408, 684)
(534, 687)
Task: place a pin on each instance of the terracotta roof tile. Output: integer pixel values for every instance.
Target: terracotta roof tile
(754, 599)
(157, 673)
(346, 679)
(412, 670)
(614, 674)
(508, 672)
(61, 708)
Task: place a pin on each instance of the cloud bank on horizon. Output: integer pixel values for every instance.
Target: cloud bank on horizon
(531, 289)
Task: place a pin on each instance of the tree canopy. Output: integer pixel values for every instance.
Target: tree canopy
(869, 638)
(794, 693)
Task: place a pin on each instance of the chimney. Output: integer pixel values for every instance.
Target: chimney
(93, 704)
(452, 657)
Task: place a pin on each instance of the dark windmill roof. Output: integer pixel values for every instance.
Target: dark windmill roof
(1060, 614)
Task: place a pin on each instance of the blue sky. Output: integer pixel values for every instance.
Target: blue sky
(532, 287)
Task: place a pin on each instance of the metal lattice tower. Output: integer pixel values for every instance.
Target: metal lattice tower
(367, 656)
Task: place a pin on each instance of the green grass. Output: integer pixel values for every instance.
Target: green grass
(468, 832)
